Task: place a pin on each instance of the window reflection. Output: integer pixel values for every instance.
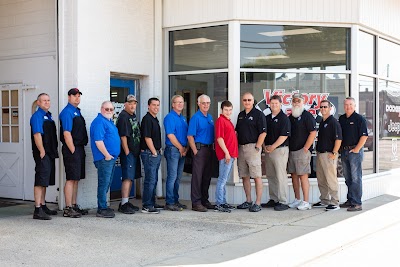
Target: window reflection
(366, 53)
(389, 54)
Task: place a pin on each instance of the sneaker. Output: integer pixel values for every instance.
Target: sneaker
(227, 206)
(183, 206)
(270, 204)
(354, 208)
(151, 210)
(173, 207)
(320, 205)
(346, 204)
(70, 212)
(304, 206)
(296, 202)
(157, 206)
(281, 207)
(244, 205)
(135, 208)
(331, 207)
(77, 208)
(106, 213)
(48, 211)
(255, 208)
(39, 214)
(221, 208)
(126, 208)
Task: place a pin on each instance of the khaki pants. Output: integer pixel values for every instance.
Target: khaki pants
(275, 169)
(327, 179)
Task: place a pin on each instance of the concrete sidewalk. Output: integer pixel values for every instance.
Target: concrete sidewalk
(266, 238)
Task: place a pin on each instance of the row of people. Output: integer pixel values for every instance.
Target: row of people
(282, 138)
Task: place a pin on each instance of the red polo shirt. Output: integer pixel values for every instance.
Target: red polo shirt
(225, 129)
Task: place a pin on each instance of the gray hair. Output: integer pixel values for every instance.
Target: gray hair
(203, 96)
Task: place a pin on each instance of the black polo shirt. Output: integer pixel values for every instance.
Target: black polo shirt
(329, 131)
(353, 128)
(150, 128)
(276, 127)
(249, 126)
(301, 129)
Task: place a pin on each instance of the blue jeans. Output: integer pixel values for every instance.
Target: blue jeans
(175, 164)
(225, 170)
(105, 173)
(352, 171)
(150, 164)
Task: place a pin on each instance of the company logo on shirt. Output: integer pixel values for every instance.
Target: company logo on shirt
(251, 118)
(325, 125)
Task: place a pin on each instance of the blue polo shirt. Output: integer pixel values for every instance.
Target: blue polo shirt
(37, 120)
(202, 128)
(67, 116)
(177, 125)
(104, 130)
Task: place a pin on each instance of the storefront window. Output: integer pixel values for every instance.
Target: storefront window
(366, 106)
(199, 49)
(283, 47)
(389, 125)
(366, 53)
(389, 64)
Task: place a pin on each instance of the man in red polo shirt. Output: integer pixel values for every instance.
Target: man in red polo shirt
(226, 148)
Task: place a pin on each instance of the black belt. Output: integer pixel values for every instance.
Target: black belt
(282, 146)
(324, 151)
(204, 145)
(348, 147)
(148, 150)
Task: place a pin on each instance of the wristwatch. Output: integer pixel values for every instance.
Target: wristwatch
(334, 153)
(257, 148)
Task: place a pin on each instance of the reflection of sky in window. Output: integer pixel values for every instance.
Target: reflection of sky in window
(389, 55)
(255, 44)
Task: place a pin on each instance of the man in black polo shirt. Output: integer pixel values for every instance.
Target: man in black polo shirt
(150, 145)
(329, 140)
(354, 128)
(251, 131)
(300, 146)
(276, 147)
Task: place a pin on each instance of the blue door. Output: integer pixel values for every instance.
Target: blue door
(119, 89)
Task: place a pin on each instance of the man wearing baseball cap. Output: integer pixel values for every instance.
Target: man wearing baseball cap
(73, 135)
(129, 132)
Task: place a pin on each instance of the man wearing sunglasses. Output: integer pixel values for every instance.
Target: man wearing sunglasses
(251, 131)
(105, 144)
(329, 140)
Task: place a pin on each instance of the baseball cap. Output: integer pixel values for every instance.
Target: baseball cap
(130, 98)
(297, 95)
(74, 91)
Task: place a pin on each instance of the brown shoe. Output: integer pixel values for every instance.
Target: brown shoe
(354, 208)
(209, 206)
(346, 204)
(199, 207)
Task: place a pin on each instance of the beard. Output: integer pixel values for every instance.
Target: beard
(108, 116)
(296, 111)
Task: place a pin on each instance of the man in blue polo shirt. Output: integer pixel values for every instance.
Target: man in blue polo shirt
(176, 129)
(354, 129)
(73, 136)
(105, 144)
(44, 148)
(201, 139)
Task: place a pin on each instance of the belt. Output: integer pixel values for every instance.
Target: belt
(282, 146)
(204, 145)
(324, 151)
(348, 147)
(148, 150)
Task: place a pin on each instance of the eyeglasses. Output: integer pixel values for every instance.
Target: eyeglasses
(178, 102)
(247, 100)
(323, 107)
(109, 109)
(205, 103)
(296, 101)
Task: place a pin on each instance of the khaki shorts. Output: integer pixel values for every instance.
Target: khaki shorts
(299, 162)
(249, 161)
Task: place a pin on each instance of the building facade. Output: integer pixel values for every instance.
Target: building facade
(323, 49)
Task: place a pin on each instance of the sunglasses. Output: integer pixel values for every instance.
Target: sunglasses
(323, 107)
(109, 109)
(247, 100)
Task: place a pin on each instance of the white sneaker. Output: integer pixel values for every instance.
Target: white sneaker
(296, 202)
(304, 206)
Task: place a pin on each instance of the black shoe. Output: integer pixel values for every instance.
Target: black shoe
(135, 208)
(332, 207)
(221, 208)
(209, 206)
(157, 206)
(255, 208)
(319, 205)
(151, 210)
(280, 207)
(77, 208)
(39, 214)
(71, 212)
(346, 204)
(227, 206)
(173, 207)
(126, 208)
(270, 204)
(48, 211)
(183, 206)
(245, 205)
(106, 213)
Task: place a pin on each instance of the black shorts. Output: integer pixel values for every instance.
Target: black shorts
(45, 171)
(74, 163)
